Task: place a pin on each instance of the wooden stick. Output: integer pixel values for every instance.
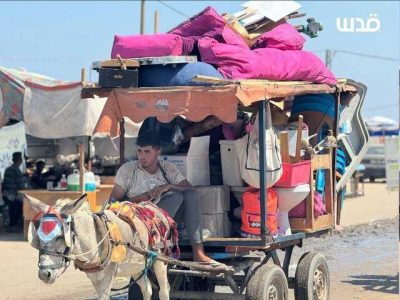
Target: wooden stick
(176, 262)
(284, 141)
(83, 76)
(121, 62)
(298, 140)
(156, 21)
(81, 151)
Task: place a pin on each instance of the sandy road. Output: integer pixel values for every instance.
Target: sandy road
(363, 260)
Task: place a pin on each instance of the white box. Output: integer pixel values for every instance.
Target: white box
(230, 164)
(195, 164)
(214, 199)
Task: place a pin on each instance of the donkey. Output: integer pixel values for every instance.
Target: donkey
(68, 232)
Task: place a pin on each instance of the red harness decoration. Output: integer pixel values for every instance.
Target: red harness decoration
(159, 224)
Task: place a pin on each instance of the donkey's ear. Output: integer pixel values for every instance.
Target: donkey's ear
(72, 207)
(36, 204)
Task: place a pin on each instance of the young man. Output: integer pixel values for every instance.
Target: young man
(150, 179)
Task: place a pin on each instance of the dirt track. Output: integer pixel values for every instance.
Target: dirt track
(363, 259)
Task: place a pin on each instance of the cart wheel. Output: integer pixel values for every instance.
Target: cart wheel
(312, 280)
(268, 282)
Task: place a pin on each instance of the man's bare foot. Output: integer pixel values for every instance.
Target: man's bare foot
(202, 258)
(199, 255)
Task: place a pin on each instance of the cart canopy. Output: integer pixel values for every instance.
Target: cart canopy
(196, 102)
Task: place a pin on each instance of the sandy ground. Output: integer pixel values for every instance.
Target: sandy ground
(363, 259)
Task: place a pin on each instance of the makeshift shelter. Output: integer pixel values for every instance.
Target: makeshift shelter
(25, 94)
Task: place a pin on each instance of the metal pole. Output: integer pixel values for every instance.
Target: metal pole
(156, 21)
(335, 132)
(328, 58)
(263, 195)
(142, 16)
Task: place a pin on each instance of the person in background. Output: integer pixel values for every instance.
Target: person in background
(38, 178)
(14, 181)
(151, 179)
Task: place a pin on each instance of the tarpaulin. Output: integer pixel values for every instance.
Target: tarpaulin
(59, 112)
(12, 87)
(12, 139)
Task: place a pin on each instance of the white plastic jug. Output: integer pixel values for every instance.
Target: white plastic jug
(73, 181)
(90, 182)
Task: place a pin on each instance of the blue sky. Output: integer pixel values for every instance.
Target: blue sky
(57, 39)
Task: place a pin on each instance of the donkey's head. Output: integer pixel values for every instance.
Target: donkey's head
(50, 232)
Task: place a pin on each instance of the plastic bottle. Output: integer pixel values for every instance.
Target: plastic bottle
(73, 181)
(90, 182)
(63, 182)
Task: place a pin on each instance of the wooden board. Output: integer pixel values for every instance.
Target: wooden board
(320, 223)
(114, 63)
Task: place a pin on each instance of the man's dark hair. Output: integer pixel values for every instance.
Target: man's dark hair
(149, 138)
(16, 157)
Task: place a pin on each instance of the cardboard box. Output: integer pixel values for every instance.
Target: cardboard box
(218, 225)
(214, 199)
(194, 165)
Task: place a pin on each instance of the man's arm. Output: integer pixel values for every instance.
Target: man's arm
(159, 190)
(118, 193)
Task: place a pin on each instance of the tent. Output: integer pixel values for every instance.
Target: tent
(381, 126)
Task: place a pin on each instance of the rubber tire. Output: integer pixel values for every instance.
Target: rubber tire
(304, 277)
(265, 277)
(372, 179)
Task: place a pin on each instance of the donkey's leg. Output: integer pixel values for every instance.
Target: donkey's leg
(160, 269)
(145, 286)
(103, 287)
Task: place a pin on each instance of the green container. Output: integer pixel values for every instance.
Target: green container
(73, 187)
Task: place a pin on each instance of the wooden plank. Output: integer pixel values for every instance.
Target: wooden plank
(320, 223)
(298, 138)
(321, 161)
(115, 63)
(219, 239)
(95, 91)
(284, 145)
(81, 151)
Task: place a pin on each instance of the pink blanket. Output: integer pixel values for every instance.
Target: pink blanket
(265, 63)
(283, 37)
(208, 23)
(150, 45)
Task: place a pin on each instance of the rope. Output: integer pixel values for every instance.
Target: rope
(74, 256)
(151, 257)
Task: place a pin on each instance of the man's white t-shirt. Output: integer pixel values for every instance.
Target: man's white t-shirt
(136, 181)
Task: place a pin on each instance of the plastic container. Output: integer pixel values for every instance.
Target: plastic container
(63, 182)
(73, 181)
(295, 174)
(90, 182)
(230, 164)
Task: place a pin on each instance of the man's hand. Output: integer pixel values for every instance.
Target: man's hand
(159, 190)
